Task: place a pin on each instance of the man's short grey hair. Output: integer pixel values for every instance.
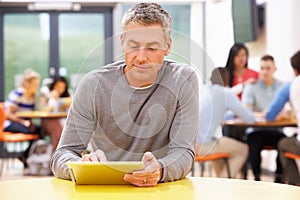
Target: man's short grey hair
(148, 14)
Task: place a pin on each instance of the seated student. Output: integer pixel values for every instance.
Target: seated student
(51, 96)
(258, 97)
(49, 100)
(275, 110)
(292, 144)
(237, 65)
(143, 108)
(239, 76)
(215, 101)
(22, 99)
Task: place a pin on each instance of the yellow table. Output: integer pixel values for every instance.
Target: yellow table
(186, 189)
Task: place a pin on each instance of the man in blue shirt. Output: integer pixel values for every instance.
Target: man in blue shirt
(281, 97)
(215, 101)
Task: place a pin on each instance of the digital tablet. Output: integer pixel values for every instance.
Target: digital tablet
(107, 173)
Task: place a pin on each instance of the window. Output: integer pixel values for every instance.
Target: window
(55, 42)
(26, 45)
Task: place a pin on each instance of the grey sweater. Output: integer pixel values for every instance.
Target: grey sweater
(125, 122)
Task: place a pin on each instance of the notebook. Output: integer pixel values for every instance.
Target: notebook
(108, 173)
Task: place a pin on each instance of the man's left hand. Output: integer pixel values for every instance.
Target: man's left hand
(149, 176)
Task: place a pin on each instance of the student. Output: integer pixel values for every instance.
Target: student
(50, 96)
(216, 100)
(275, 110)
(143, 108)
(237, 65)
(239, 76)
(292, 144)
(22, 99)
(48, 101)
(258, 97)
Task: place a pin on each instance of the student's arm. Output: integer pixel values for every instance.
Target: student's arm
(183, 133)
(80, 125)
(237, 89)
(10, 115)
(281, 97)
(235, 105)
(248, 97)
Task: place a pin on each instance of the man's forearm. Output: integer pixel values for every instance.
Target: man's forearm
(176, 165)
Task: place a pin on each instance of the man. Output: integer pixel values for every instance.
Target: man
(258, 97)
(142, 104)
(292, 144)
(216, 100)
(275, 110)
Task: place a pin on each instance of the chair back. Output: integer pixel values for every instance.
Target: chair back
(2, 117)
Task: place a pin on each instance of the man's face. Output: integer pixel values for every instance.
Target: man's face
(145, 48)
(267, 69)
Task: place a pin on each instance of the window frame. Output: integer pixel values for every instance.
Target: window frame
(54, 33)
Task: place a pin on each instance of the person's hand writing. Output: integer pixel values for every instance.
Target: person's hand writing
(149, 176)
(97, 156)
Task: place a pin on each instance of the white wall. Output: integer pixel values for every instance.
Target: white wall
(279, 37)
(219, 31)
(282, 33)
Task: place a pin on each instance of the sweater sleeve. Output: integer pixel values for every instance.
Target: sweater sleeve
(248, 96)
(183, 134)
(281, 97)
(80, 125)
(235, 105)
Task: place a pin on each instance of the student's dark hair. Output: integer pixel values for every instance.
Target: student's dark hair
(219, 76)
(60, 79)
(267, 57)
(230, 60)
(295, 61)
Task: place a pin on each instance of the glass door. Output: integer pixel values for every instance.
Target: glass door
(80, 36)
(26, 45)
(69, 43)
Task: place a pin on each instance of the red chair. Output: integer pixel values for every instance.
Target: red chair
(292, 156)
(210, 157)
(14, 138)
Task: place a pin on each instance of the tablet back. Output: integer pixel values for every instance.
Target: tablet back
(102, 172)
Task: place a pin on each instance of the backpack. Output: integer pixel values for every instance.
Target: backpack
(39, 157)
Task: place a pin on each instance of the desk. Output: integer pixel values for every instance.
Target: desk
(41, 114)
(187, 189)
(50, 123)
(281, 123)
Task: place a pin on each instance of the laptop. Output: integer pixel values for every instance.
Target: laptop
(102, 173)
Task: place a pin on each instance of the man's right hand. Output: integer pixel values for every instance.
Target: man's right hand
(97, 156)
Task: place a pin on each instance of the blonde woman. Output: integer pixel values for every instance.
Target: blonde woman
(22, 99)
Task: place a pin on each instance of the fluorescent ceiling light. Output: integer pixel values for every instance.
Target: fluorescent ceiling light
(54, 5)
